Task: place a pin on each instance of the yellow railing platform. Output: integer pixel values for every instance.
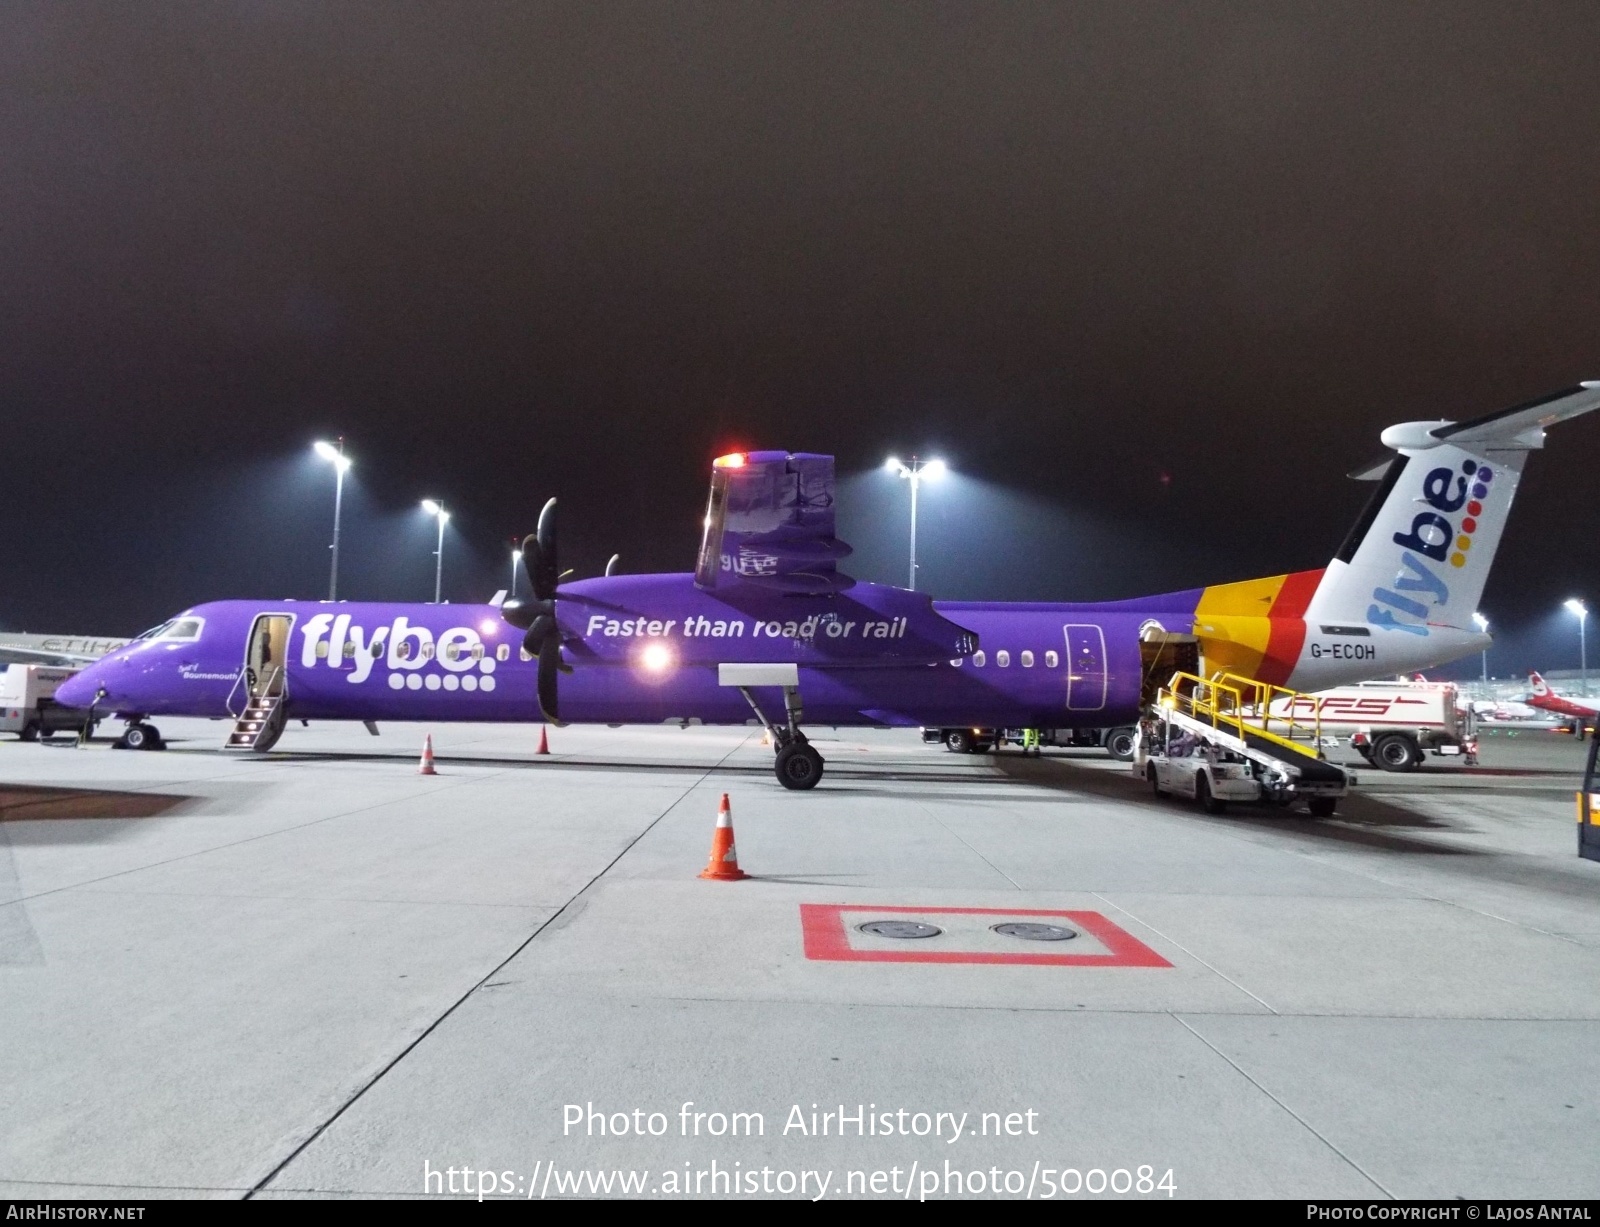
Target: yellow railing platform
(1240, 706)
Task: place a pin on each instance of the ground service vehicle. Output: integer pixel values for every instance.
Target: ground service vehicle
(1391, 724)
(28, 706)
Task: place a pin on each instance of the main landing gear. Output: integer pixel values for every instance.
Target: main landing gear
(797, 765)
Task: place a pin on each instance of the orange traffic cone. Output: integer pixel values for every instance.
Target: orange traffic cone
(427, 757)
(544, 740)
(724, 863)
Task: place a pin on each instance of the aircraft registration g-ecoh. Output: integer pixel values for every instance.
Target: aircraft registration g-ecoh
(768, 628)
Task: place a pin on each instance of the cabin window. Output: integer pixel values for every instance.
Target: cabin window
(451, 651)
(978, 658)
(427, 651)
(349, 649)
(1027, 659)
(1051, 660)
(403, 652)
(477, 651)
(322, 649)
(958, 662)
(503, 652)
(377, 648)
(1003, 658)
(524, 654)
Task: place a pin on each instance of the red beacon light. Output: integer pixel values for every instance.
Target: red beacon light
(733, 460)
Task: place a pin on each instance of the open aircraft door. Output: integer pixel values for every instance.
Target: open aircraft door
(264, 680)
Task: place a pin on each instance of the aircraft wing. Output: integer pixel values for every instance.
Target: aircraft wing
(49, 655)
(769, 525)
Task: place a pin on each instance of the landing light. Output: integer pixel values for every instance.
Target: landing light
(733, 460)
(488, 626)
(656, 657)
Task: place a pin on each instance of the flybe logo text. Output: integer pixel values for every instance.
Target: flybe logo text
(1434, 538)
(460, 652)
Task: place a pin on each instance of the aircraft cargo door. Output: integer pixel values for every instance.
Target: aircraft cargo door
(1086, 667)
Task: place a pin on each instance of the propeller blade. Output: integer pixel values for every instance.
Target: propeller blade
(549, 671)
(532, 642)
(546, 570)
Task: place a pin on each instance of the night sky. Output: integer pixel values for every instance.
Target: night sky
(1151, 277)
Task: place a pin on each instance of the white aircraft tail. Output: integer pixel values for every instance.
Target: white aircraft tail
(1538, 687)
(1418, 558)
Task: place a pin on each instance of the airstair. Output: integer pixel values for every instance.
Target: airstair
(261, 723)
(1255, 720)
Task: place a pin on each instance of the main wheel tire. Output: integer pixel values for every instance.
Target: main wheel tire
(1396, 752)
(1323, 807)
(798, 766)
(959, 741)
(1119, 743)
(1204, 798)
(1155, 780)
(30, 731)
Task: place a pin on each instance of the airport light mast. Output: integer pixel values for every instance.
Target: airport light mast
(915, 472)
(335, 456)
(436, 509)
(1577, 607)
(1482, 623)
(516, 557)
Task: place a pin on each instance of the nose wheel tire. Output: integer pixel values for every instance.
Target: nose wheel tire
(141, 737)
(1322, 807)
(798, 766)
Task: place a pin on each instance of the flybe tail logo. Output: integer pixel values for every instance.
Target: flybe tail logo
(1435, 539)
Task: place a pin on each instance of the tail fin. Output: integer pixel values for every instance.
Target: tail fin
(1537, 686)
(1419, 556)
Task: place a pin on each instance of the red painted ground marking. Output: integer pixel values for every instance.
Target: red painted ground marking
(828, 940)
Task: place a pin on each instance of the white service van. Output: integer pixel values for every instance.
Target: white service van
(27, 702)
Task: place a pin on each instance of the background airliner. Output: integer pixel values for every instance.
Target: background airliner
(1540, 695)
(768, 628)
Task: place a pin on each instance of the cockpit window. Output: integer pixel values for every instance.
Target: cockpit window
(154, 632)
(182, 630)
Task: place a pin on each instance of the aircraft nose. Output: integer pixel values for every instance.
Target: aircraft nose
(79, 689)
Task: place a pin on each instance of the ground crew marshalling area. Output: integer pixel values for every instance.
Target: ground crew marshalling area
(319, 972)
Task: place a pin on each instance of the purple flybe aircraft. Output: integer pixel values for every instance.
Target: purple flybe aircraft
(768, 629)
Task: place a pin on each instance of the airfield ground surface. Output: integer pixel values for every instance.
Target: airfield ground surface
(318, 972)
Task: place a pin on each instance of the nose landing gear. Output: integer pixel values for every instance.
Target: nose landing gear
(140, 736)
